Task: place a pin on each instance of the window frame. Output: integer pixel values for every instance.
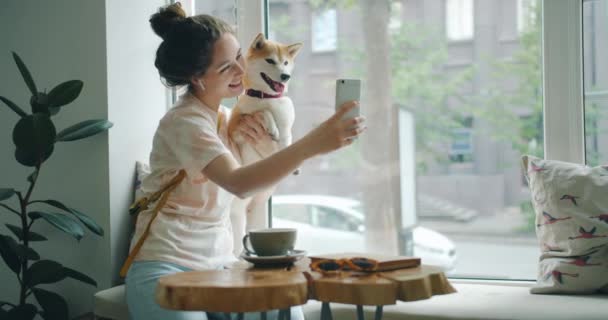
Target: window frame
(563, 107)
(562, 79)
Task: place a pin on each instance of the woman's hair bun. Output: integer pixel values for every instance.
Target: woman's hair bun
(166, 18)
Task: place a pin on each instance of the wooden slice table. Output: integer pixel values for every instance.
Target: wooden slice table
(377, 289)
(246, 289)
(235, 290)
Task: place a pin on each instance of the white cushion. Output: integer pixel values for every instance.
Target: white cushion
(571, 225)
(481, 301)
(112, 304)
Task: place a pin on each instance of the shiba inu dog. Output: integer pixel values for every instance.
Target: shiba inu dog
(269, 67)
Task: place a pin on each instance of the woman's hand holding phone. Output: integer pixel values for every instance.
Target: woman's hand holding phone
(336, 132)
(348, 90)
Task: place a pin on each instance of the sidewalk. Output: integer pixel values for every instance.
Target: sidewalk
(505, 226)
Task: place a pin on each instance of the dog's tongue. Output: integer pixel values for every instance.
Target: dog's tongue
(278, 87)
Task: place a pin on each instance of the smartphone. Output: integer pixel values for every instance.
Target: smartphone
(347, 90)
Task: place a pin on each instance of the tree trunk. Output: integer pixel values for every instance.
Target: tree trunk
(380, 173)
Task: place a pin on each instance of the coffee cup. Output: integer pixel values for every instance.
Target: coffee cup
(270, 241)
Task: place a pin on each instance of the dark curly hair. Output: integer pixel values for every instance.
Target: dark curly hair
(187, 46)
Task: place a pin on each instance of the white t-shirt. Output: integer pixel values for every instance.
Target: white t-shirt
(193, 228)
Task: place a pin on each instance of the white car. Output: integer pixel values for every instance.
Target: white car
(329, 224)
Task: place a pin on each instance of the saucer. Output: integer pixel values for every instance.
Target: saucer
(273, 261)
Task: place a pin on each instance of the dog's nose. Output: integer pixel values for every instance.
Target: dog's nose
(285, 77)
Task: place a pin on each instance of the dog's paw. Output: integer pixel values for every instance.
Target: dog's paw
(274, 135)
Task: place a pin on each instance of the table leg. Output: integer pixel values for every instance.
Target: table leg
(227, 316)
(378, 313)
(240, 316)
(263, 315)
(326, 311)
(360, 315)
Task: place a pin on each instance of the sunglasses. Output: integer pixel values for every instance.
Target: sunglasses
(351, 264)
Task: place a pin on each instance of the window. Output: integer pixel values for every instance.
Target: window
(226, 10)
(478, 102)
(595, 76)
(396, 16)
(333, 219)
(292, 212)
(526, 14)
(459, 19)
(324, 30)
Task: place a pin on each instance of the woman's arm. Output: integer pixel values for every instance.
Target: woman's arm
(244, 181)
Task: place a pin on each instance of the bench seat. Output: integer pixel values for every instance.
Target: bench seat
(474, 300)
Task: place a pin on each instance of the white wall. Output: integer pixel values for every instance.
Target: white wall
(66, 39)
(136, 101)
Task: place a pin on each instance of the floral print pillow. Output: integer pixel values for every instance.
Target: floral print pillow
(571, 205)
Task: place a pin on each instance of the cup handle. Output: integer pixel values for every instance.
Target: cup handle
(248, 250)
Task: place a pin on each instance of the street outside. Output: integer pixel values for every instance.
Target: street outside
(483, 258)
(491, 246)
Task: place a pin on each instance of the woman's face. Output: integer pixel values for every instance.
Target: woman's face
(224, 78)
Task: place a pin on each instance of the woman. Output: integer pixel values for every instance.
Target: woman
(192, 230)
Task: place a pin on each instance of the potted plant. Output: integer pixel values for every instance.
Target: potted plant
(35, 136)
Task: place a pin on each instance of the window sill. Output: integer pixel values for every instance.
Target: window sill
(482, 299)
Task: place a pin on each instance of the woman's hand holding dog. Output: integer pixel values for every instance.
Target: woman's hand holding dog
(335, 132)
(251, 127)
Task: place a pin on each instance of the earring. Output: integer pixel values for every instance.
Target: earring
(201, 85)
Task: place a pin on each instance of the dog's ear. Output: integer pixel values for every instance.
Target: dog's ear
(294, 49)
(258, 42)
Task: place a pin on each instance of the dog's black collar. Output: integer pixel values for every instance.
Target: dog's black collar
(262, 95)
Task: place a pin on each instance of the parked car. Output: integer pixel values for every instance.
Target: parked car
(328, 224)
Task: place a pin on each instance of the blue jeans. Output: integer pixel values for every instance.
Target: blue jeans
(141, 285)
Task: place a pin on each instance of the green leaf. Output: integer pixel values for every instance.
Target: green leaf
(26, 252)
(21, 250)
(54, 306)
(83, 130)
(22, 312)
(25, 73)
(16, 230)
(9, 254)
(32, 236)
(35, 132)
(6, 193)
(61, 222)
(13, 106)
(45, 271)
(86, 220)
(34, 136)
(65, 93)
(32, 158)
(79, 276)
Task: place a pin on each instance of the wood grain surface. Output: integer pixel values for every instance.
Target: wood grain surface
(232, 290)
(246, 289)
